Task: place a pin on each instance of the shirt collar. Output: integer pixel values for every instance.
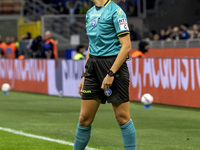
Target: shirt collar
(106, 4)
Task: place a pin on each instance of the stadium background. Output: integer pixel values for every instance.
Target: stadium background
(170, 71)
(37, 17)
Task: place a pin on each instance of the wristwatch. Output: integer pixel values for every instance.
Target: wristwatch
(110, 73)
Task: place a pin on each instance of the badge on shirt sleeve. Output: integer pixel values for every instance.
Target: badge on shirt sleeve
(119, 11)
(123, 24)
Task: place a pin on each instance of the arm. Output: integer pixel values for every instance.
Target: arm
(80, 87)
(87, 57)
(17, 53)
(126, 48)
(0, 52)
(121, 58)
(49, 53)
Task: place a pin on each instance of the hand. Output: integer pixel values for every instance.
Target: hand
(80, 87)
(107, 82)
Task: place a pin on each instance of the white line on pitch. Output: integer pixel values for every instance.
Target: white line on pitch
(41, 137)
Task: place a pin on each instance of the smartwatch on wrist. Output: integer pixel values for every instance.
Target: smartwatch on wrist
(110, 73)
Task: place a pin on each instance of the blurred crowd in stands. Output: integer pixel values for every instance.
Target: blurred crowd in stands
(62, 8)
(40, 47)
(81, 7)
(176, 33)
(44, 47)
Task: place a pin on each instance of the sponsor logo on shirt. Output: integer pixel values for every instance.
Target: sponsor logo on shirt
(122, 20)
(94, 22)
(95, 15)
(123, 24)
(86, 91)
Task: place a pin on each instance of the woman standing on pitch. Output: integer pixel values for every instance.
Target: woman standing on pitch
(106, 76)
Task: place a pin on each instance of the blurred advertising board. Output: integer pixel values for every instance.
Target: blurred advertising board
(65, 77)
(172, 52)
(172, 81)
(25, 75)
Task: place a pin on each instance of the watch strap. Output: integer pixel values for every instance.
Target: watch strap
(83, 75)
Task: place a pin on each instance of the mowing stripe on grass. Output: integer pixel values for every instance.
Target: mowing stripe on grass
(41, 137)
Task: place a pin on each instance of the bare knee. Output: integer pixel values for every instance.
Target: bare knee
(84, 121)
(122, 119)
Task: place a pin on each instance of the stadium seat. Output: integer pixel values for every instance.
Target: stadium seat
(10, 6)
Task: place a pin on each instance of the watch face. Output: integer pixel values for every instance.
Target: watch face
(110, 73)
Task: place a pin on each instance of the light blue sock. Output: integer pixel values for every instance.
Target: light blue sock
(82, 137)
(129, 135)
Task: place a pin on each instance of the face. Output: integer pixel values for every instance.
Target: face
(195, 27)
(59, 3)
(183, 27)
(156, 37)
(7, 39)
(162, 32)
(47, 35)
(82, 50)
(175, 29)
(117, 1)
(147, 47)
(12, 38)
(43, 37)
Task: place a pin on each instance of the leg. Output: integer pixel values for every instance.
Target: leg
(122, 115)
(88, 111)
(87, 114)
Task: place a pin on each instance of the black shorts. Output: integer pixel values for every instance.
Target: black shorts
(96, 70)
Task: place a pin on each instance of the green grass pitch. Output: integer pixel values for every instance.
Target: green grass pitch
(158, 128)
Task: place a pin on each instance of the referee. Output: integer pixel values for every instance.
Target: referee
(106, 76)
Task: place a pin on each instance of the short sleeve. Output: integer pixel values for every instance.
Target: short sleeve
(120, 22)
